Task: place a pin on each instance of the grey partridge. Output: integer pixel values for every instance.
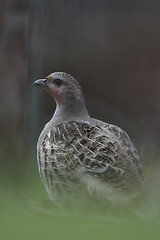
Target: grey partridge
(75, 151)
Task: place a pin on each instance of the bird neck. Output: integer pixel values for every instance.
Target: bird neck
(71, 108)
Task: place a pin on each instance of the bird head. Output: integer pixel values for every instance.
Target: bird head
(64, 88)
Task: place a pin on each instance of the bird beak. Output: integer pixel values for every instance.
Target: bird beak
(40, 82)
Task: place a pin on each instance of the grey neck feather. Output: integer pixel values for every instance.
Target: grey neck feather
(71, 108)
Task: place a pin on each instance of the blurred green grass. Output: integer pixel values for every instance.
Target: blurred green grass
(26, 214)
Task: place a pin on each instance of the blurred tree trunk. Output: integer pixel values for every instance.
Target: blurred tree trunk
(13, 71)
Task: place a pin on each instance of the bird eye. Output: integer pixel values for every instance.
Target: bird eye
(58, 82)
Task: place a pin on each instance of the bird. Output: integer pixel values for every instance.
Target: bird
(77, 152)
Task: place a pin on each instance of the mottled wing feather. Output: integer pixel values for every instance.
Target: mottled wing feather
(101, 150)
(128, 148)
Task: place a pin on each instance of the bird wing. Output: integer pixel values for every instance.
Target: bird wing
(100, 150)
(124, 150)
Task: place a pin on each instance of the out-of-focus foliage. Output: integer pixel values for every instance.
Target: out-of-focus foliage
(26, 213)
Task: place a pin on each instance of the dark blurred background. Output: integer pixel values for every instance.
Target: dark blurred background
(111, 47)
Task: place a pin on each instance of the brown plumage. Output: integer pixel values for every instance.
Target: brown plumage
(77, 152)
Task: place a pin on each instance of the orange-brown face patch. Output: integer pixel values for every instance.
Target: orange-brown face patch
(49, 77)
(55, 91)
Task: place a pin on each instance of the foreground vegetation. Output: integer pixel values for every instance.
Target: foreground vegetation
(26, 213)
